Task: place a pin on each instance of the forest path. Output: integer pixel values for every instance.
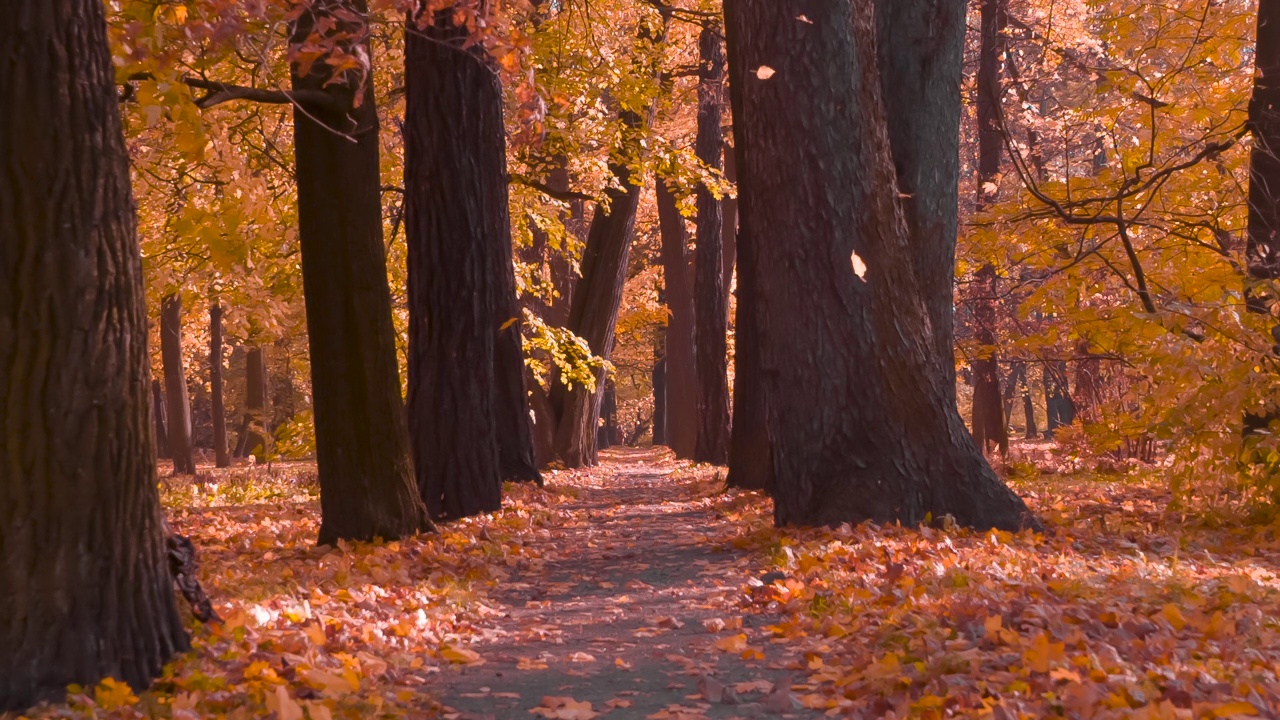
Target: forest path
(633, 607)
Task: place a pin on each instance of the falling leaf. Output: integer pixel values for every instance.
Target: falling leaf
(764, 72)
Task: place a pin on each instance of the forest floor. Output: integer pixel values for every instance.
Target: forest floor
(643, 589)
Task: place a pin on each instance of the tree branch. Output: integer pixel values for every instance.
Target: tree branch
(549, 191)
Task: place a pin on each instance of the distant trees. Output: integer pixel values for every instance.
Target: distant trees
(86, 588)
(177, 401)
(861, 423)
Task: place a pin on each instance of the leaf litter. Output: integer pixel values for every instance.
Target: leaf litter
(641, 589)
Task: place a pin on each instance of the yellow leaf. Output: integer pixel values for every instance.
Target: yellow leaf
(285, 707)
(112, 694)
(732, 643)
(460, 656)
(1231, 709)
(328, 683)
(1041, 655)
(1171, 613)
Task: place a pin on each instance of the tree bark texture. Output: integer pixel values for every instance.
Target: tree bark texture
(920, 47)
(860, 423)
(1263, 235)
(710, 304)
(367, 486)
(750, 459)
(597, 296)
(988, 420)
(175, 386)
(681, 404)
(660, 401)
(162, 427)
(466, 371)
(252, 441)
(85, 590)
(221, 457)
(729, 210)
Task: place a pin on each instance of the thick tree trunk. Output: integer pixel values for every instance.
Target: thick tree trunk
(660, 401)
(920, 46)
(593, 314)
(221, 457)
(468, 411)
(162, 427)
(729, 206)
(367, 486)
(544, 421)
(175, 386)
(988, 422)
(750, 461)
(711, 309)
(1029, 413)
(859, 420)
(252, 441)
(681, 359)
(1263, 236)
(607, 436)
(86, 588)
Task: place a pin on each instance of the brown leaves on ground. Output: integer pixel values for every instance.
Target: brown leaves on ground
(1124, 609)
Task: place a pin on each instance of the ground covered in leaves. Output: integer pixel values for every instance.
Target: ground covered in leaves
(642, 589)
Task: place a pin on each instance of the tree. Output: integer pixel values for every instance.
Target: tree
(161, 427)
(988, 423)
(859, 419)
(255, 403)
(680, 376)
(221, 457)
(87, 592)
(367, 486)
(175, 385)
(467, 399)
(922, 103)
(1262, 235)
(711, 305)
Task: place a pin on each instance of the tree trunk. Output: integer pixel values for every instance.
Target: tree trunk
(1060, 409)
(175, 386)
(607, 436)
(921, 43)
(859, 420)
(681, 364)
(544, 421)
(988, 424)
(750, 461)
(221, 458)
(158, 411)
(86, 588)
(660, 401)
(1029, 411)
(710, 303)
(729, 207)
(466, 372)
(367, 486)
(593, 313)
(1263, 236)
(252, 441)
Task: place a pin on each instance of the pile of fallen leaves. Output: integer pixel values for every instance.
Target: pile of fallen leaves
(317, 632)
(1124, 608)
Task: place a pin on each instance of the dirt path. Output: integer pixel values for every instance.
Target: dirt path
(634, 609)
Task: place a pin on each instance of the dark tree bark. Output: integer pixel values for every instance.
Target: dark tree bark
(1060, 409)
(859, 420)
(1263, 231)
(158, 411)
(221, 457)
(660, 401)
(921, 43)
(710, 303)
(750, 460)
(367, 486)
(681, 357)
(729, 208)
(988, 422)
(255, 402)
(86, 588)
(468, 410)
(593, 314)
(544, 425)
(175, 386)
(607, 436)
(1029, 413)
